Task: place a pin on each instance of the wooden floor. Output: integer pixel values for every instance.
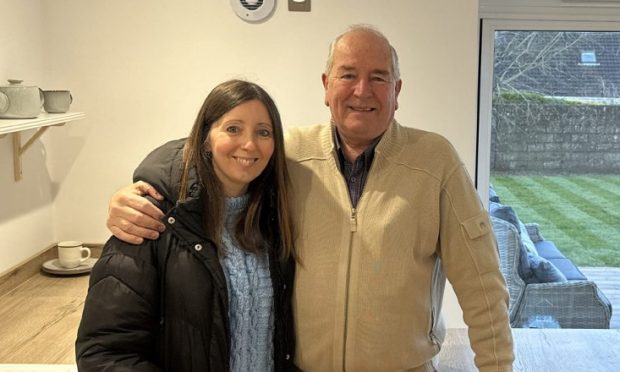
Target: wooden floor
(39, 320)
(608, 281)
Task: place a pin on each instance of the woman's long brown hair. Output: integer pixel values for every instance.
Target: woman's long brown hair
(270, 191)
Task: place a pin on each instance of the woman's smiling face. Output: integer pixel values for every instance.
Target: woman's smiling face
(241, 143)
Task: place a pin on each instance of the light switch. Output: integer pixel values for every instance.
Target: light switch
(298, 5)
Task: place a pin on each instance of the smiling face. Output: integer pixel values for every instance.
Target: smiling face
(241, 143)
(360, 89)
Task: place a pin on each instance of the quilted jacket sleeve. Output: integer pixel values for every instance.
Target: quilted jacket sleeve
(162, 169)
(119, 326)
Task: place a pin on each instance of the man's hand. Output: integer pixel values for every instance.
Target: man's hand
(132, 217)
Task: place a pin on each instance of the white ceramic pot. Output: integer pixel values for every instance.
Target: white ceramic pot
(57, 101)
(19, 101)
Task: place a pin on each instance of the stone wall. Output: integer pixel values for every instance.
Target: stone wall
(555, 139)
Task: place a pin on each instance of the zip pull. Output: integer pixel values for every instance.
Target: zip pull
(353, 220)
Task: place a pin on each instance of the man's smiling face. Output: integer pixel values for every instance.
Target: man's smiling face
(361, 90)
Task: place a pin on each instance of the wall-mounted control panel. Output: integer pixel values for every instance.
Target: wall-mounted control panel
(299, 5)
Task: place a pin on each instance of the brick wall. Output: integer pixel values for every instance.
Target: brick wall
(555, 139)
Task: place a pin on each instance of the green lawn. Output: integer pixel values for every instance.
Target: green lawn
(581, 214)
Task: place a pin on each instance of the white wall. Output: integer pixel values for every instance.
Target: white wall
(25, 206)
(140, 70)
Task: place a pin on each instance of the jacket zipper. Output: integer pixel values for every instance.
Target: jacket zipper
(353, 229)
(353, 220)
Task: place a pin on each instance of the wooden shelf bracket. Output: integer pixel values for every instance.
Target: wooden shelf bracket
(15, 127)
(19, 149)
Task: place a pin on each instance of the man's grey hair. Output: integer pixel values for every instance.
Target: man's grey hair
(363, 28)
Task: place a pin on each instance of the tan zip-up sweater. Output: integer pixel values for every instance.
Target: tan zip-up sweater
(368, 291)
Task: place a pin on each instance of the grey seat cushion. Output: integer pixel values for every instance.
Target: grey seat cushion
(568, 268)
(548, 250)
(543, 271)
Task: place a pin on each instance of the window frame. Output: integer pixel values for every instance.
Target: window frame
(485, 93)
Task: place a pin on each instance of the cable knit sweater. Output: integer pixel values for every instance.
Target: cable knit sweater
(250, 298)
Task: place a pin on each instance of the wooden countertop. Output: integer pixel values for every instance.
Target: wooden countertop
(542, 350)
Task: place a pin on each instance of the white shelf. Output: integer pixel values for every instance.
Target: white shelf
(41, 124)
(44, 120)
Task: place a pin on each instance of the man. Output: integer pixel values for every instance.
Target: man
(383, 211)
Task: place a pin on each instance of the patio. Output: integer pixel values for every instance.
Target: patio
(608, 281)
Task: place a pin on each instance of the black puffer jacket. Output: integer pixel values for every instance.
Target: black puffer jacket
(164, 305)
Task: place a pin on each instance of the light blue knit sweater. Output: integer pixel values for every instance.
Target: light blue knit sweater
(250, 299)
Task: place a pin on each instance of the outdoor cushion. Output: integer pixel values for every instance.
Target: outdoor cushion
(548, 250)
(508, 214)
(536, 260)
(493, 195)
(505, 213)
(526, 240)
(568, 268)
(543, 271)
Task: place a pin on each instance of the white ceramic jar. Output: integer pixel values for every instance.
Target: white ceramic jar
(19, 101)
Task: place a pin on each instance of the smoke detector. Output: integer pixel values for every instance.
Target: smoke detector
(252, 10)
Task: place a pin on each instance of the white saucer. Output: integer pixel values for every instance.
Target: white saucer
(53, 267)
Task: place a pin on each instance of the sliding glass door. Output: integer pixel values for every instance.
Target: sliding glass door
(549, 136)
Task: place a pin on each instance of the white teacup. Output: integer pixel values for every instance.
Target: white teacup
(70, 254)
(57, 101)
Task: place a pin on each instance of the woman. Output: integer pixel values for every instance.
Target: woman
(213, 292)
